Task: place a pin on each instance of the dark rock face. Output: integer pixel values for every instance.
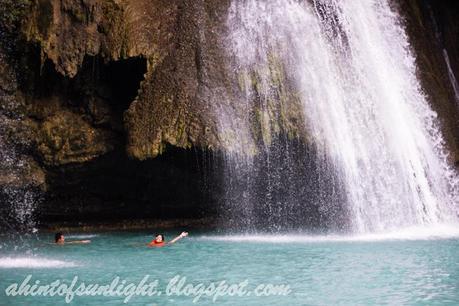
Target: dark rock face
(74, 69)
(432, 27)
(106, 105)
(113, 187)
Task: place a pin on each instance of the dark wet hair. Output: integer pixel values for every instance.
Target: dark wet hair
(57, 237)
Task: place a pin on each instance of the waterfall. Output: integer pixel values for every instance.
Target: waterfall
(452, 77)
(333, 124)
(439, 38)
(18, 200)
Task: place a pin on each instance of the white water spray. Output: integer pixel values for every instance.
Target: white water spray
(354, 72)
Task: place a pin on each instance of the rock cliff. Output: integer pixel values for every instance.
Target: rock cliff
(91, 89)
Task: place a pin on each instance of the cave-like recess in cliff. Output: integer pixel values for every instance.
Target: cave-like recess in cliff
(180, 183)
(113, 187)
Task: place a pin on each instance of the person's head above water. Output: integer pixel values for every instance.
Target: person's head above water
(59, 238)
(160, 241)
(159, 238)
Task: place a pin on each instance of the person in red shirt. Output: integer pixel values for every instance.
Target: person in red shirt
(159, 240)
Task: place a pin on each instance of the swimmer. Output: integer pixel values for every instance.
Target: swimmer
(60, 240)
(159, 240)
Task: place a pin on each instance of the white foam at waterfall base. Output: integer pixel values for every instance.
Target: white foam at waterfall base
(440, 231)
(34, 262)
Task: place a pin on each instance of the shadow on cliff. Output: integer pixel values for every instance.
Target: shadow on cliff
(81, 145)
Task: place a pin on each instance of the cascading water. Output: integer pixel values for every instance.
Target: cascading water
(451, 76)
(17, 200)
(372, 151)
(439, 38)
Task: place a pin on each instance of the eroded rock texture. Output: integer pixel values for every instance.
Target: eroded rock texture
(90, 88)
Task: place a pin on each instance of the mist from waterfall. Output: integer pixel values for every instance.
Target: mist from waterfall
(372, 158)
(17, 201)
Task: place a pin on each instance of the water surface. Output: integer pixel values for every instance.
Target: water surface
(319, 270)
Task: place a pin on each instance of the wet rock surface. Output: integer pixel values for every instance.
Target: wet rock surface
(108, 105)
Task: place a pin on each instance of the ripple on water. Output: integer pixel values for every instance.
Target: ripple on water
(81, 236)
(410, 233)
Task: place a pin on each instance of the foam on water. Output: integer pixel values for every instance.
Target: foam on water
(441, 231)
(33, 262)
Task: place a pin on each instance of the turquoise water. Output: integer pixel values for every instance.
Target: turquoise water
(318, 270)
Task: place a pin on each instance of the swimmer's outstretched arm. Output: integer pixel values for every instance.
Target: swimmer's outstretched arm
(183, 234)
(78, 242)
